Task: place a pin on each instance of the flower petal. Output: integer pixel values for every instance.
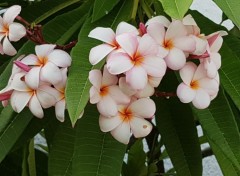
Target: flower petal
(154, 66)
(185, 43)
(18, 84)
(201, 45)
(118, 96)
(42, 51)
(11, 13)
(95, 78)
(175, 59)
(128, 43)
(16, 31)
(32, 77)
(30, 59)
(94, 95)
(137, 78)
(107, 107)
(45, 96)
(19, 100)
(51, 73)
(200, 72)
(108, 124)
(201, 100)
(185, 93)
(159, 19)
(119, 63)
(108, 79)
(35, 107)
(146, 92)
(216, 58)
(154, 81)
(211, 86)
(60, 58)
(122, 133)
(125, 87)
(8, 48)
(157, 32)
(103, 34)
(187, 72)
(147, 46)
(172, 33)
(140, 127)
(97, 53)
(143, 107)
(60, 110)
(124, 27)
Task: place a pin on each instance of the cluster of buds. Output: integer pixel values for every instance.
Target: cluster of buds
(38, 80)
(137, 60)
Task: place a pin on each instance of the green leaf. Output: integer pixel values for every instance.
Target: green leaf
(231, 9)
(77, 88)
(176, 125)
(176, 8)
(84, 149)
(102, 8)
(219, 125)
(12, 132)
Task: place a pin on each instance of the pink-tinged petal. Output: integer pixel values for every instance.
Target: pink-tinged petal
(140, 127)
(62, 84)
(107, 107)
(216, 58)
(108, 79)
(125, 87)
(94, 95)
(51, 73)
(128, 43)
(172, 33)
(154, 81)
(143, 107)
(147, 46)
(185, 93)
(137, 78)
(18, 83)
(162, 52)
(45, 98)
(60, 58)
(185, 43)
(119, 63)
(201, 45)
(188, 20)
(54, 93)
(16, 31)
(35, 107)
(122, 133)
(154, 66)
(175, 59)
(200, 72)
(42, 51)
(212, 97)
(8, 48)
(103, 34)
(201, 100)
(32, 77)
(98, 53)
(118, 96)
(210, 68)
(30, 59)
(157, 32)
(124, 27)
(211, 86)
(60, 110)
(146, 92)
(5, 103)
(22, 66)
(19, 100)
(95, 78)
(187, 72)
(159, 19)
(108, 124)
(11, 13)
(6, 95)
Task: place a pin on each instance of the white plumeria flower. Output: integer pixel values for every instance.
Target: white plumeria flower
(213, 62)
(172, 43)
(138, 61)
(196, 87)
(25, 93)
(10, 30)
(108, 36)
(159, 19)
(130, 120)
(105, 92)
(47, 61)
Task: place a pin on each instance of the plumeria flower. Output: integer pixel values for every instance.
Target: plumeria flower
(138, 61)
(196, 87)
(108, 36)
(47, 61)
(159, 19)
(10, 30)
(25, 94)
(213, 62)
(105, 92)
(173, 43)
(130, 120)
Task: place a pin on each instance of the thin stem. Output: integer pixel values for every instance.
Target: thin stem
(65, 47)
(23, 20)
(165, 94)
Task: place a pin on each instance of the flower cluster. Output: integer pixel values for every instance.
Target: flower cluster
(137, 60)
(38, 81)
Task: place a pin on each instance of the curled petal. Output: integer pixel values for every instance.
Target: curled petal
(11, 13)
(185, 93)
(16, 31)
(187, 72)
(140, 127)
(107, 107)
(103, 34)
(95, 78)
(19, 100)
(201, 45)
(97, 53)
(201, 100)
(8, 48)
(42, 51)
(137, 78)
(175, 59)
(60, 58)
(154, 66)
(35, 107)
(124, 27)
(60, 110)
(108, 124)
(122, 133)
(143, 107)
(51, 73)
